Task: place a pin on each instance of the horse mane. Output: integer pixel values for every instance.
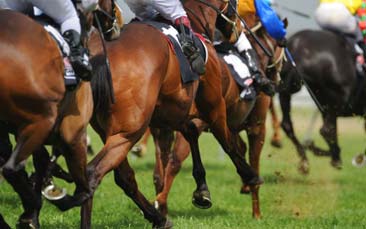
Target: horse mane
(101, 87)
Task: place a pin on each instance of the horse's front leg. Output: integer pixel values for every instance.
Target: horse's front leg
(124, 177)
(256, 135)
(179, 154)
(287, 126)
(163, 139)
(276, 138)
(201, 196)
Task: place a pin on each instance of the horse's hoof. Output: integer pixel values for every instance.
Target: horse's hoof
(336, 164)
(245, 189)
(52, 192)
(26, 224)
(276, 143)
(166, 225)
(202, 199)
(358, 161)
(304, 167)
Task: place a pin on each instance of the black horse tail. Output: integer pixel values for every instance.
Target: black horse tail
(102, 87)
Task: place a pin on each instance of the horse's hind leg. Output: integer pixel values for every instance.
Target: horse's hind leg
(75, 152)
(285, 101)
(179, 154)
(29, 139)
(329, 133)
(124, 177)
(163, 139)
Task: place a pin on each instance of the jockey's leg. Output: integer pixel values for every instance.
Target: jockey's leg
(248, 53)
(64, 13)
(173, 10)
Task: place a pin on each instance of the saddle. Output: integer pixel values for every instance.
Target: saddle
(172, 35)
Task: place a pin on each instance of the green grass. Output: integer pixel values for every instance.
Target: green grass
(326, 198)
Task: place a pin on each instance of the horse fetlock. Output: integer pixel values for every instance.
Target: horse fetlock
(255, 181)
(336, 163)
(304, 167)
(161, 206)
(27, 224)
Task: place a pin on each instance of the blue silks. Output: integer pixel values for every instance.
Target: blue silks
(270, 20)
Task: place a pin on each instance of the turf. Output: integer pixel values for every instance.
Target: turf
(326, 198)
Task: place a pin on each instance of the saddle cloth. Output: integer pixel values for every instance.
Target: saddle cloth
(173, 38)
(238, 66)
(69, 75)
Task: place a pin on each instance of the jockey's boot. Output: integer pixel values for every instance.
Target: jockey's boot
(78, 55)
(263, 83)
(189, 48)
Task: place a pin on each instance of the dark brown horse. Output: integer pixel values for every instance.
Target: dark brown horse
(148, 90)
(241, 115)
(326, 63)
(37, 109)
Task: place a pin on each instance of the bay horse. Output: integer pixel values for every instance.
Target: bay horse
(37, 109)
(149, 92)
(326, 61)
(241, 115)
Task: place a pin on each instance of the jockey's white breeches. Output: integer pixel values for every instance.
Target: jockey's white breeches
(336, 16)
(62, 12)
(148, 9)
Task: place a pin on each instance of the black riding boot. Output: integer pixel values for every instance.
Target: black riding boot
(78, 55)
(189, 48)
(260, 81)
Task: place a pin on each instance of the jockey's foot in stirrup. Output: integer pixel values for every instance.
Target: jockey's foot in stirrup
(62, 12)
(173, 11)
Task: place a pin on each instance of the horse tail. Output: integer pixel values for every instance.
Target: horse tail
(102, 86)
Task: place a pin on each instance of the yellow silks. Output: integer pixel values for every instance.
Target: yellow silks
(352, 5)
(246, 7)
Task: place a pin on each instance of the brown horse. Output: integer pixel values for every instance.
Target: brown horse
(37, 109)
(148, 90)
(241, 115)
